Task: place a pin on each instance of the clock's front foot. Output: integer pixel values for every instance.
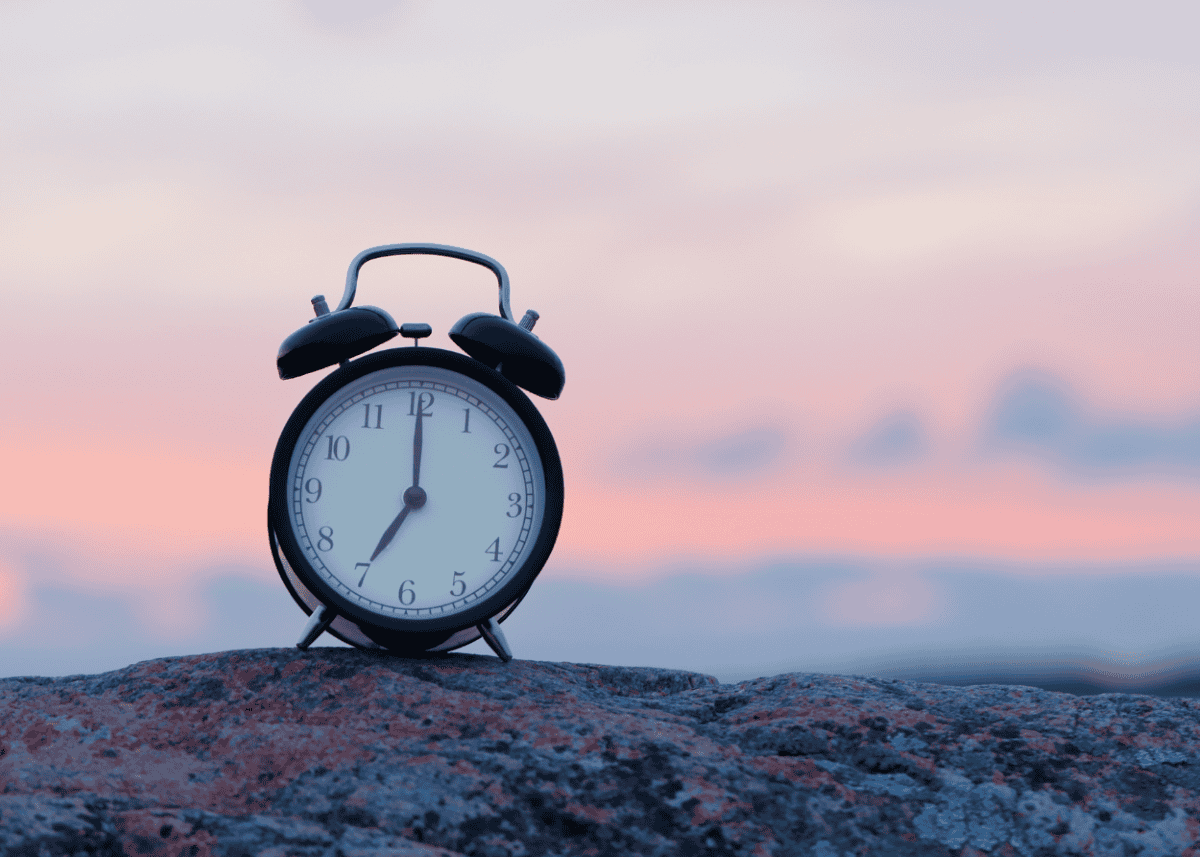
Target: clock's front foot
(320, 619)
(495, 638)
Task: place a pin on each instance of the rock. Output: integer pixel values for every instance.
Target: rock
(342, 752)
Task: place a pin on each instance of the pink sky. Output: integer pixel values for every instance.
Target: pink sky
(753, 232)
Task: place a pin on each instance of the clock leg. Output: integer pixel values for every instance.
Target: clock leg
(495, 638)
(320, 619)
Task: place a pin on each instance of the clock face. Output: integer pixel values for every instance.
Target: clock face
(417, 494)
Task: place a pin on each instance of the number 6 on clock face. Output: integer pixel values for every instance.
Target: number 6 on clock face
(416, 492)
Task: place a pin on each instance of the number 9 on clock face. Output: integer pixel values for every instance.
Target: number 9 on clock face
(416, 491)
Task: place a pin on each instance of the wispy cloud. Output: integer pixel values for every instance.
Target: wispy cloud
(898, 438)
(1040, 416)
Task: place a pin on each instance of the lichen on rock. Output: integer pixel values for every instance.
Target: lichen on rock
(339, 751)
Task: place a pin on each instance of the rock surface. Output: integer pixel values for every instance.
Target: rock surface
(342, 752)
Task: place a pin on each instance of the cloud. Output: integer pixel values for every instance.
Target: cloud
(922, 619)
(747, 452)
(743, 452)
(67, 627)
(349, 14)
(898, 438)
(890, 599)
(931, 620)
(1039, 416)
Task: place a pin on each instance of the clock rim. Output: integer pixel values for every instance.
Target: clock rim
(522, 578)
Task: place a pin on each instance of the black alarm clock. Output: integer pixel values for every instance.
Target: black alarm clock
(416, 493)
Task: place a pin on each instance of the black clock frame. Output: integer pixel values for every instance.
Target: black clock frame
(412, 635)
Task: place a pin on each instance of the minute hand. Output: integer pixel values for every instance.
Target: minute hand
(417, 449)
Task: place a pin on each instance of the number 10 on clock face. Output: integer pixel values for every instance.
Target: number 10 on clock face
(415, 493)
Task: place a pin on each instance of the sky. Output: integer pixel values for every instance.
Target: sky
(866, 296)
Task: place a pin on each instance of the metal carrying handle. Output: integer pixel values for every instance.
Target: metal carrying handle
(426, 250)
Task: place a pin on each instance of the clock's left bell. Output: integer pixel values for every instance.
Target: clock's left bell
(333, 337)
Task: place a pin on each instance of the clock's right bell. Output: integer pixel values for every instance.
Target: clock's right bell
(512, 350)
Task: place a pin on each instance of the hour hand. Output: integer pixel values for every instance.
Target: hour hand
(390, 532)
(414, 498)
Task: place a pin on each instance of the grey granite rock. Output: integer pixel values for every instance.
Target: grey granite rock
(337, 751)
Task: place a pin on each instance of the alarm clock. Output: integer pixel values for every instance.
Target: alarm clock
(416, 492)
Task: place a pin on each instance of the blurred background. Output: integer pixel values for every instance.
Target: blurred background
(879, 319)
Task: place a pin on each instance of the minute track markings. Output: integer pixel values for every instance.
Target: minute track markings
(365, 405)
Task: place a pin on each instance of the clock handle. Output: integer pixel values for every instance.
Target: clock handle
(422, 249)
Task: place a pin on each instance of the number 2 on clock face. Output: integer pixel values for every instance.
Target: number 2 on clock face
(415, 492)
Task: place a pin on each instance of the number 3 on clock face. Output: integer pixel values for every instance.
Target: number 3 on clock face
(422, 492)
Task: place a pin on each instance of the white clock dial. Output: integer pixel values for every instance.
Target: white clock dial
(415, 492)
